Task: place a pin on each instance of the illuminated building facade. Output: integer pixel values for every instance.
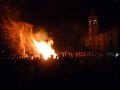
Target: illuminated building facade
(96, 40)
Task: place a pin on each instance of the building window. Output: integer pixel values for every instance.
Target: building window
(94, 21)
(90, 22)
(90, 29)
(90, 38)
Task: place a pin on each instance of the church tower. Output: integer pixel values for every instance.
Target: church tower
(93, 23)
(92, 28)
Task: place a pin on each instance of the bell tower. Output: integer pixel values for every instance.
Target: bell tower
(93, 23)
(92, 28)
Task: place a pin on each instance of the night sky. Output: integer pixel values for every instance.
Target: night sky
(67, 19)
(52, 11)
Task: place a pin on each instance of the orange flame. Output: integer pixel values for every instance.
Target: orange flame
(45, 49)
(26, 43)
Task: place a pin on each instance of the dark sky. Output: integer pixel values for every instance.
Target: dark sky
(67, 19)
(52, 11)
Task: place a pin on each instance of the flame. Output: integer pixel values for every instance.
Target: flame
(25, 42)
(21, 37)
(45, 49)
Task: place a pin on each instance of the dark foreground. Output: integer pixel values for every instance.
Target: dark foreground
(66, 73)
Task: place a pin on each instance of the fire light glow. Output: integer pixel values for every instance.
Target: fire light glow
(25, 42)
(45, 49)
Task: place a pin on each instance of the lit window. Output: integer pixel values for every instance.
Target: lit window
(94, 21)
(90, 30)
(90, 38)
(90, 22)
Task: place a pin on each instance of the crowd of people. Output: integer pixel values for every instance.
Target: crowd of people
(70, 70)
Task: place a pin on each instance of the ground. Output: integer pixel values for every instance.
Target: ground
(65, 73)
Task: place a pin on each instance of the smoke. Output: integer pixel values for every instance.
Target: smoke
(41, 34)
(21, 36)
(15, 33)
